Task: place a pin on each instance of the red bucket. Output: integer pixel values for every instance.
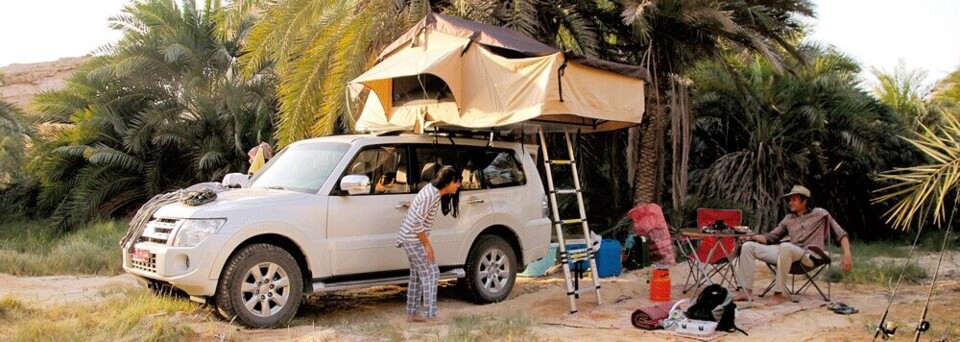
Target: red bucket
(660, 284)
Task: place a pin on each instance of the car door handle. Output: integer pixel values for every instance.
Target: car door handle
(475, 201)
(402, 205)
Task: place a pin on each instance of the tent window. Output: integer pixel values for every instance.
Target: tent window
(419, 88)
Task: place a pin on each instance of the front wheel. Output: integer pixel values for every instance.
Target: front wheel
(491, 270)
(261, 286)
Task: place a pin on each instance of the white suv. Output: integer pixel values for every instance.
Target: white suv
(323, 215)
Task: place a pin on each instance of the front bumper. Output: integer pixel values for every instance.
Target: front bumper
(186, 268)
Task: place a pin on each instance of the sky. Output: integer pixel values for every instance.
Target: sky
(925, 34)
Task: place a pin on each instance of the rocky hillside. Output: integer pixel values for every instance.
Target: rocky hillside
(22, 81)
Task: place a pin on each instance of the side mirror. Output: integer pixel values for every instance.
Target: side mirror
(235, 180)
(355, 184)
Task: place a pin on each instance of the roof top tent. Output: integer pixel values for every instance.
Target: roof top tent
(456, 74)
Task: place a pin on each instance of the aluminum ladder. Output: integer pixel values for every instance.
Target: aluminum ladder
(569, 257)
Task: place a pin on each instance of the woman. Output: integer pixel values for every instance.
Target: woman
(442, 191)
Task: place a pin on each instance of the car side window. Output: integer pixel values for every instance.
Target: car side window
(386, 167)
(480, 167)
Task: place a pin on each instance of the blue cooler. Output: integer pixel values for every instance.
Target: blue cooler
(608, 259)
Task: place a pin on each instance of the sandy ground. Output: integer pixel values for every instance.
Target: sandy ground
(329, 316)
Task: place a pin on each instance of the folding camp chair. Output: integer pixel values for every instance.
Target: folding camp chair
(713, 255)
(809, 273)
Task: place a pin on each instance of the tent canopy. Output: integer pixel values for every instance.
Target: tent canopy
(447, 71)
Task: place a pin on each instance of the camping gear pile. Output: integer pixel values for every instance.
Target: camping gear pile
(648, 221)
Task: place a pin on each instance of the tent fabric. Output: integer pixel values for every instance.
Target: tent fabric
(487, 89)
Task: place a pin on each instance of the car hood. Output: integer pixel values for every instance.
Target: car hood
(228, 202)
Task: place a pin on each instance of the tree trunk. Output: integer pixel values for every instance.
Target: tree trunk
(650, 159)
(680, 138)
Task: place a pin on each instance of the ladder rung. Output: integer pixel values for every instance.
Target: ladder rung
(570, 221)
(566, 191)
(584, 290)
(575, 255)
(561, 162)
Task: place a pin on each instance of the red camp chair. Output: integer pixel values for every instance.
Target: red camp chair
(710, 259)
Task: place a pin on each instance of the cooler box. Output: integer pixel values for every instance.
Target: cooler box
(608, 259)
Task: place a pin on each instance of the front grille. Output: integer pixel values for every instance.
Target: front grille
(159, 230)
(149, 265)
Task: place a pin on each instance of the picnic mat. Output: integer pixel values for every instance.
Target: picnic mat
(618, 316)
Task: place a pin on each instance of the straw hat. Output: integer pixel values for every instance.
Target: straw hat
(798, 190)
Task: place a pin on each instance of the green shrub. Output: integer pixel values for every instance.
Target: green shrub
(882, 274)
(932, 240)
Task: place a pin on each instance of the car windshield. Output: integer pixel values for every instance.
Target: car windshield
(301, 167)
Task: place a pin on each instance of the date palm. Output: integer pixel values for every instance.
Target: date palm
(14, 135)
(903, 90)
(671, 35)
(758, 136)
(159, 110)
(926, 190)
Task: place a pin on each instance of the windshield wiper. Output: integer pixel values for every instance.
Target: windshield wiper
(276, 187)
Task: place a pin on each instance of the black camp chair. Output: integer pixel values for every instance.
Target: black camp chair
(809, 274)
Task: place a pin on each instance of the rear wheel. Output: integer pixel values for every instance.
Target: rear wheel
(491, 270)
(261, 286)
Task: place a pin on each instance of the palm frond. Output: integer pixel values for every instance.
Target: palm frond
(922, 191)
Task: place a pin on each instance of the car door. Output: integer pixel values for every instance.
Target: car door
(362, 228)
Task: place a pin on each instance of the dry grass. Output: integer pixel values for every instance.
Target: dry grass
(34, 249)
(133, 314)
(469, 328)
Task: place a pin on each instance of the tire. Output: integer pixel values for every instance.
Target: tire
(491, 270)
(273, 300)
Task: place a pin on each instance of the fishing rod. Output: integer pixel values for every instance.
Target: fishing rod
(924, 325)
(886, 328)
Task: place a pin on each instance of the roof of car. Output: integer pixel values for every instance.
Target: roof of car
(403, 138)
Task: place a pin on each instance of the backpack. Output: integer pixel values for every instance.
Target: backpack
(715, 304)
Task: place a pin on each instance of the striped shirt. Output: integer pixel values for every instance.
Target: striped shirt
(807, 229)
(420, 216)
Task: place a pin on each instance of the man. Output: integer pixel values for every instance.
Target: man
(805, 228)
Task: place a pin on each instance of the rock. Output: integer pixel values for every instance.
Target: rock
(20, 82)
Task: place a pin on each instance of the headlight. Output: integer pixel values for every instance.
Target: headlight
(193, 231)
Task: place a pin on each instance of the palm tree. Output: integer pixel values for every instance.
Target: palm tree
(315, 47)
(14, 135)
(670, 36)
(903, 90)
(758, 136)
(926, 189)
(159, 110)
(945, 97)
